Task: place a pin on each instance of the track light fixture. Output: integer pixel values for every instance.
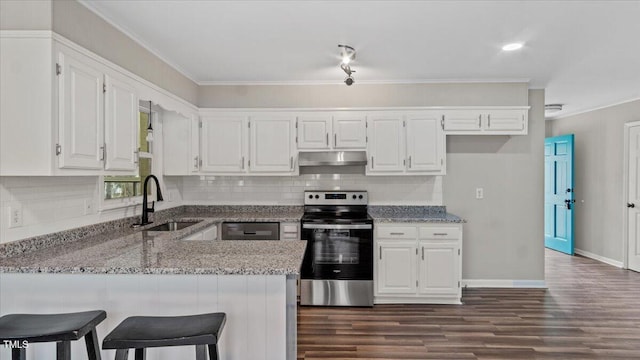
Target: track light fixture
(348, 54)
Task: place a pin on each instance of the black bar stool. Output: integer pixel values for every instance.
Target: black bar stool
(142, 332)
(61, 328)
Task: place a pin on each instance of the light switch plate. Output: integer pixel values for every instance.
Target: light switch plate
(479, 193)
(15, 213)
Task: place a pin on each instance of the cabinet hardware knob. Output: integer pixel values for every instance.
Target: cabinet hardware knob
(631, 205)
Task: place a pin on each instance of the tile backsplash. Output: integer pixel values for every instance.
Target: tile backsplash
(55, 203)
(271, 190)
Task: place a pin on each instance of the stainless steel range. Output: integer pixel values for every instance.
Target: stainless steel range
(337, 269)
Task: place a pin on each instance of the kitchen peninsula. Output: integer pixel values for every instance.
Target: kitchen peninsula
(137, 272)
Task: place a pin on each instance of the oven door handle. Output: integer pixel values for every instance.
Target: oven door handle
(338, 226)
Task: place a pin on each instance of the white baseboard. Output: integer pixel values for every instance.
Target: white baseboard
(499, 283)
(597, 257)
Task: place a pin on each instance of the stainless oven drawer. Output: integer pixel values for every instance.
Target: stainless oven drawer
(250, 231)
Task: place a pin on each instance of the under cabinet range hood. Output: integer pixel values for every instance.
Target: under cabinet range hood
(332, 162)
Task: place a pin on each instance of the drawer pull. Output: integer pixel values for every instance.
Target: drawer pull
(440, 234)
(396, 233)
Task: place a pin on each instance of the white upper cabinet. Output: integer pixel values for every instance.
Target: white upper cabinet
(486, 121)
(425, 142)
(507, 121)
(386, 149)
(342, 130)
(224, 144)
(349, 130)
(406, 143)
(180, 143)
(314, 130)
(80, 111)
(272, 144)
(97, 115)
(121, 124)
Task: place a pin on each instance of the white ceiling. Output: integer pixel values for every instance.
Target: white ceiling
(586, 54)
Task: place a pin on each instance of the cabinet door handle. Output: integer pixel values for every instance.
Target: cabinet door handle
(380, 252)
(440, 234)
(372, 162)
(396, 233)
(423, 253)
(479, 121)
(195, 164)
(243, 163)
(327, 138)
(136, 156)
(102, 152)
(335, 139)
(409, 161)
(291, 163)
(489, 120)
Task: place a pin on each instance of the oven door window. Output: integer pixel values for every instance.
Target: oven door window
(335, 247)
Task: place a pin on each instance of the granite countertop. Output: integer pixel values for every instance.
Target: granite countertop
(409, 214)
(128, 251)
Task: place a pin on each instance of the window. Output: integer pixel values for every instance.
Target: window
(127, 187)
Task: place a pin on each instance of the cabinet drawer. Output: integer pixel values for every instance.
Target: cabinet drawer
(439, 233)
(397, 232)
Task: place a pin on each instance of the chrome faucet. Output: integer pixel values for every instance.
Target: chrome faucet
(145, 209)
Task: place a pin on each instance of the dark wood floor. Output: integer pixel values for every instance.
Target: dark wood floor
(590, 311)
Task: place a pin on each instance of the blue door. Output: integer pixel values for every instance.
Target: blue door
(558, 193)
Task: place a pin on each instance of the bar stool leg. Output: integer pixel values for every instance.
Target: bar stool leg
(93, 347)
(63, 350)
(18, 354)
(122, 354)
(213, 352)
(141, 354)
(201, 352)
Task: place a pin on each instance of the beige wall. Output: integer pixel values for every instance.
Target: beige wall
(77, 23)
(25, 14)
(599, 145)
(362, 95)
(504, 235)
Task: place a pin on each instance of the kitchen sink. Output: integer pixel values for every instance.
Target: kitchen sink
(173, 226)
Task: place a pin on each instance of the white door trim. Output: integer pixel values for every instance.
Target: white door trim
(625, 194)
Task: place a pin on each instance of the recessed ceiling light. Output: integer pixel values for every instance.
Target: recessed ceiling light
(512, 46)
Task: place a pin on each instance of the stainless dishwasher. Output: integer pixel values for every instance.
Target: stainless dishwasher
(250, 231)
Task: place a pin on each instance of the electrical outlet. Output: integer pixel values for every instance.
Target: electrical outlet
(479, 193)
(16, 216)
(88, 206)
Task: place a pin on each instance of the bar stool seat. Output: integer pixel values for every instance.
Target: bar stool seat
(141, 332)
(60, 328)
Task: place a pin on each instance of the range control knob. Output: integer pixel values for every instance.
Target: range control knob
(354, 196)
(360, 197)
(310, 196)
(317, 197)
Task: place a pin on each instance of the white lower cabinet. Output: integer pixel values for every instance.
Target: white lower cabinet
(396, 267)
(418, 264)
